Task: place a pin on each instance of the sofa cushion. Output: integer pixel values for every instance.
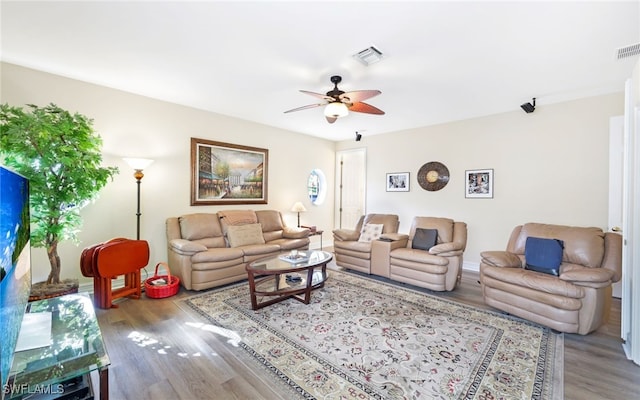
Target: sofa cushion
(390, 222)
(362, 249)
(243, 235)
(199, 226)
(424, 239)
(543, 255)
(236, 217)
(370, 232)
(271, 220)
(295, 233)
(445, 226)
(515, 280)
(222, 256)
(290, 244)
(583, 246)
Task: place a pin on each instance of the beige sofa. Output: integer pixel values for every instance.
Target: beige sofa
(576, 301)
(393, 256)
(212, 249)
(354, 252)
(440, 267)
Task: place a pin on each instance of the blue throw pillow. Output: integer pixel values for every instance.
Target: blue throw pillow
(424, 239)
(543, 255)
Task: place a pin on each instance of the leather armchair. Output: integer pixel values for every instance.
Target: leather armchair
(576, 301)
(439, 268)
(354, 254)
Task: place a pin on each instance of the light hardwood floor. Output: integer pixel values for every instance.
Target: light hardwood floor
(159, 351)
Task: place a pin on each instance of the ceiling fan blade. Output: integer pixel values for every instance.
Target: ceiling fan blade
(331, 120)
(304, 108)
(318, 95)
(358, 95)
(365, 108)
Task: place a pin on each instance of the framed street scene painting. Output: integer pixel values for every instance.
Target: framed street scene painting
(225, 173)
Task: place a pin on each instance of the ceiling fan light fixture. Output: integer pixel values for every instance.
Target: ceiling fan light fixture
(336, 109)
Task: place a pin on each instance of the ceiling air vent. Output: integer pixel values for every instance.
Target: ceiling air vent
(368, 56)
(628, 51)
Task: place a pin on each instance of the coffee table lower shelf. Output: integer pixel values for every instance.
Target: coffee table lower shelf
(278, 281)
(277, 287)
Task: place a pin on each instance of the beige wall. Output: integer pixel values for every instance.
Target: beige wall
(549, 166)
(136, 126)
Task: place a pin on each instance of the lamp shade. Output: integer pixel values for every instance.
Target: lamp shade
(138, 163)
(298, 207)
(336, 110)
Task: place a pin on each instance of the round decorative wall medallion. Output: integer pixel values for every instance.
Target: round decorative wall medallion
(433, 176)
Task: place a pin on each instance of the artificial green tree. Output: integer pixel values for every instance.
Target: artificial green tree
(60, 154)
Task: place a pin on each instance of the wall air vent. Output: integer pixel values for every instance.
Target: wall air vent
(368, 56)
(628, 51)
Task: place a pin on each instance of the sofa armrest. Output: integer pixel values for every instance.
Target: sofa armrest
(346, 235)
(590, 277)
(501, 259)
(184, 246)
(612, 259)
(295, 233)
(447, 249)
(395, 237)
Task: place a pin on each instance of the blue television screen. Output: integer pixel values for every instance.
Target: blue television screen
(15, 263)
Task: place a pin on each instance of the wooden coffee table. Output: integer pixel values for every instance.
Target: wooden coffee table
(280, 279)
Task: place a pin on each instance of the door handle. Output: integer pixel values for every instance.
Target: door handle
(616, 229)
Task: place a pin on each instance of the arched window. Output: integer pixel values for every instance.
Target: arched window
(317, 187)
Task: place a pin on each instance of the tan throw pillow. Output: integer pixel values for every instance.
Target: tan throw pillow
(370, 232)
(243, 235)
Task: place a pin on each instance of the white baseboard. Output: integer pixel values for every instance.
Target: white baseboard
(470, 266)
(87, 287)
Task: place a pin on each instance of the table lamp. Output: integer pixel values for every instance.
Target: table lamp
(298, 208)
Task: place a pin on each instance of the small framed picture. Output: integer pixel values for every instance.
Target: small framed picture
(479, 184)
(398, 182)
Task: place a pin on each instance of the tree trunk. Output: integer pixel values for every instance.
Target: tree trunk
(54, 260)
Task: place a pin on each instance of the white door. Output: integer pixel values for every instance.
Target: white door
(350, 187)
(630, 312)
(616, 173)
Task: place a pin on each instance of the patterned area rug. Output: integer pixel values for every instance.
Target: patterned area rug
(365, 339)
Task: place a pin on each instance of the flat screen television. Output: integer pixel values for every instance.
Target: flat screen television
(15, 263)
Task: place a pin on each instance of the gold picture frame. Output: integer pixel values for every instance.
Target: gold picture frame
(225, 173)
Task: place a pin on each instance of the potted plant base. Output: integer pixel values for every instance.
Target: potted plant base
(44, 290)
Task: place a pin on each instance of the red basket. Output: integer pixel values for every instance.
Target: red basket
(164, 290)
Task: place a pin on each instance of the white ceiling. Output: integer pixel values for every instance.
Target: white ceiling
(444, 61)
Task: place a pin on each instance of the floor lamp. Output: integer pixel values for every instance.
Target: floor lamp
(138, 164)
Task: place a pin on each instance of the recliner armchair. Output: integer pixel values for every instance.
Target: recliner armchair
(353, 253)
(576, 301)
(440, 267)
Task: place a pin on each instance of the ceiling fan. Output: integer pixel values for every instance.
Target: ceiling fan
(339, 103)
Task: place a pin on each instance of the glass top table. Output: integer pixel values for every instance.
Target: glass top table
(76, 350)
(287, 276)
